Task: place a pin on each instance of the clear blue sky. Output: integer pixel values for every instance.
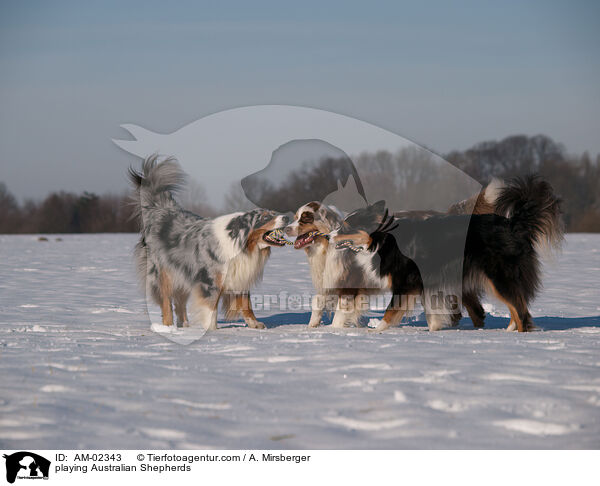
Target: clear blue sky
(444, 74)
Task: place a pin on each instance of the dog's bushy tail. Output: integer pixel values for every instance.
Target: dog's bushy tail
(155, 184)
(534, 211)
(482, 203)
(486, 202)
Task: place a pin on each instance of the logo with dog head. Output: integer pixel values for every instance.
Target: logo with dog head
(26, 465)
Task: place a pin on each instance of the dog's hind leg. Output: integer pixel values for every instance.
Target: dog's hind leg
(519, 315)
(207, 316)
(514, 317)
(455, 318)
(180, 301)
(438, 320)
(474, 308)
(166, 291)
(527, 323)
(205, 307)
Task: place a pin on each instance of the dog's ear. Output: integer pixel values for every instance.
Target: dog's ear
(324, 213)
(378, 209)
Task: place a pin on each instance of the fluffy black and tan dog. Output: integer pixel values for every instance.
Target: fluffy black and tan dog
(182, 255)
(499, 254)
(344, 277)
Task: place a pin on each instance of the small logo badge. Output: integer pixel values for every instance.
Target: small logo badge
(26, 465)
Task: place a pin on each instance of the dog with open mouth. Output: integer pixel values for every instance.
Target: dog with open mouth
(500, 252)
(182, 256)
(340, 277)
(330, 271)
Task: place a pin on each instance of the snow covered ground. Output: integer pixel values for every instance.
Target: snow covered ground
(80, 367)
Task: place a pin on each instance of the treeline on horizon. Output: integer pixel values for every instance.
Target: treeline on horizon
(576, 178)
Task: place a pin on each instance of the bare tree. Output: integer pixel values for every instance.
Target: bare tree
(9, 210)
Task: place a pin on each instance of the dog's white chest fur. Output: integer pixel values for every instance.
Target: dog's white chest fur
(245, 269)
(317, 257)
(333, 272)
(241, 269)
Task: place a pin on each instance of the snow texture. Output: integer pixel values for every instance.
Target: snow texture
(80, 366)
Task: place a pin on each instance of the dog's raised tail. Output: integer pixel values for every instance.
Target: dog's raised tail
(486, 202)
(483, 202)
(155, 183)
(534, 210)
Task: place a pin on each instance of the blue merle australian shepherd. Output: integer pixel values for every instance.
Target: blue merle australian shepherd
(182, 256)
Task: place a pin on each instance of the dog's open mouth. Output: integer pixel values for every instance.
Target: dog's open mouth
(304, 239)
(276, 237)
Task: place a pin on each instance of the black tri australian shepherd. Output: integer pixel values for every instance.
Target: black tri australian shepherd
(445, 257)
(343, 276)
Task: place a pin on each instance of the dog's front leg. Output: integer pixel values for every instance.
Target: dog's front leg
(437, 313)
(247, 312)
(393, 315)
(318, 304)
(343, 311)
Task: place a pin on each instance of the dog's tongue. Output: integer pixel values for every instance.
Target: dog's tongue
(303, 240)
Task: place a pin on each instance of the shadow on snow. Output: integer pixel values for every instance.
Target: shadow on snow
(546, 323)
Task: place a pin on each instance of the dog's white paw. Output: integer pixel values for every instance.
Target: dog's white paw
(256, 325)
(374, 324)
(338, 325)
(512, 326)
(377, 325)
(314, 323)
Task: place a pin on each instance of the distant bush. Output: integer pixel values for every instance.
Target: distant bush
(65, 212)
